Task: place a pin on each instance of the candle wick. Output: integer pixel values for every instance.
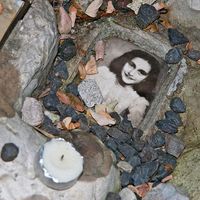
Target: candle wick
(62, 157)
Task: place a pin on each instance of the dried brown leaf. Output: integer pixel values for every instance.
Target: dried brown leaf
(141, 190)
(70, 99)
(91, 66)
(198, 62)
(160, 5)
(110, 7)
(102, 118)
(1, 8)
(188, 46)
(166, 23)
(82, 71)
(100, 49)
(93, 8)
(152, 28)
(67, 124)
(168, 178)
(73, 13)
(64, 21)
(44, 93)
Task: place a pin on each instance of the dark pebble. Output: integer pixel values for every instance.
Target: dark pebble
(49, 127)
(174, 145)
(67, 111)
(146, 15)
(126, 126)
(134, 161)
(124, 178)
(117, 134)
(67, 50)
(137, 134)
(148, 154)
(177, 105)
(9, 152)
(56, 83)
(175, 117)
(66, 5)
(116, 116)
(157, 139)
(163, 171)
(126, 150)
(60, 70)
(166, 159)
(138, 144)
(121, 5)
(167, 126)
(173, 56)
(50, 102)
(111, 144)
(72, 88)
(143, 173)
(176, 37)
(84, 124)
(193, 54)
(113, 196)
(99, 131)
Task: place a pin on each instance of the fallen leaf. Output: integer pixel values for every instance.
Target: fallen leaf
(122, 157)
(91, 66)
(100, 49)
(160, 5)
(152, 28)
(141, 190)
(168, 178)
(188, 46)
(44, 93)
(110, 7)
(64, 21)
(102, 118)
(82, 71)
(73, 13)
(70, 99)
(67, 124)
(1, 8)
(93, 8)
(166, 23)
(198, 61)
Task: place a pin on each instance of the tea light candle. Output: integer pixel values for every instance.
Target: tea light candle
(60, 163)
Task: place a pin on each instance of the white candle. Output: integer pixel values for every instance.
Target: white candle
(60, 161)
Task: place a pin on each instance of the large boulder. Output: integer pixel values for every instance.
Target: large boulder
(33, 45)
(18, 179)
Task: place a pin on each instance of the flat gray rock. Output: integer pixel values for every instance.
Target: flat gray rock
(90, 92)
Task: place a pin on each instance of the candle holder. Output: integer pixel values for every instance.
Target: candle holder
(58, 165)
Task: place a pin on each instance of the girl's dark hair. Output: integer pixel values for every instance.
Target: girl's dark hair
(145, 88)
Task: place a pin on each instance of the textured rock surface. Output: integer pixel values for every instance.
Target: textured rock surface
(33, 43)
(18, 180)
(165, 192)
(127, 194)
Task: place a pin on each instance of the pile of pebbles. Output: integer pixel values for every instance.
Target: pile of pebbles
(140, 161)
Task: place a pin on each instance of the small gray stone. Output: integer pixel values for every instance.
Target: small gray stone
(32, 112)
(165, 192)
(174, 145)
(127, 194)
(90, 92)
(124, 166)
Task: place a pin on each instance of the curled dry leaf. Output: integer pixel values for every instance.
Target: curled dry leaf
(91, 66)
(44, 93)
(70, 99)
(93, 8)
(141, 190)
(100, 49)
(1, 8)
(102, 118)
(168, 178)
(188, 46)
(166, 23)
(152, 28)
(110, 7)
(82, 71)
(73, 13)
(67, 124)
(64, 21)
